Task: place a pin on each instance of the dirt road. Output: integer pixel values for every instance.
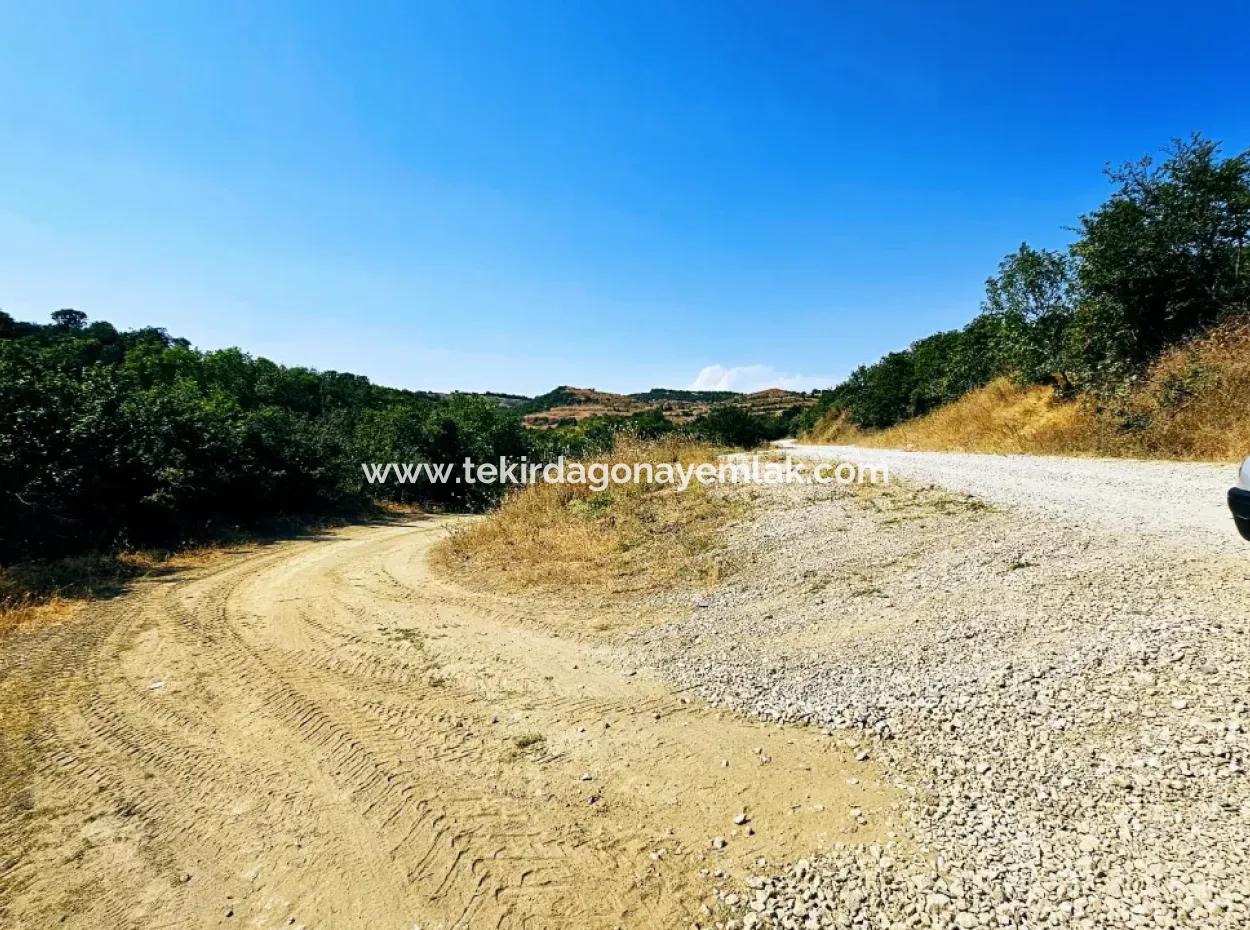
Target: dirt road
(323, 734)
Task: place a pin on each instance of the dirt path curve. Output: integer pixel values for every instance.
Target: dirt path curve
(323, 734)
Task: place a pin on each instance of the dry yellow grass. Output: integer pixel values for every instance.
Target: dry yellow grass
(626, 538)
(1191, 405)
(1001, 417)
(1194, 403)
(31, 615)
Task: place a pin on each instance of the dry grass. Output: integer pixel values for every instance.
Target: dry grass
(627, 538)
(1191, 405)
(31, 615)
(1001, 417)
(1194, 403)
(837, 429)
(39, 593)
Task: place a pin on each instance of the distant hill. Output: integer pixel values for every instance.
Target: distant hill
(568, 396)
(776, 401)
(567, 404)
(656, 395)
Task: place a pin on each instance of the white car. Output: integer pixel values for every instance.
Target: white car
(1239, 500)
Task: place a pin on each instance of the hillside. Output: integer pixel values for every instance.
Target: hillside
(566, 404)
(1190, 404)
(575, 403)
(1131, 341)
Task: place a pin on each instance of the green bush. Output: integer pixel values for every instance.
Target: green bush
(733, 426)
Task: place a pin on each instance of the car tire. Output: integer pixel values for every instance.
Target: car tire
(1243, 527)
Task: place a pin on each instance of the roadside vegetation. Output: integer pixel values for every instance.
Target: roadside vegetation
(630, 537)
(120, 448)
(1190, 404)
(1130, 342)
(36, 591)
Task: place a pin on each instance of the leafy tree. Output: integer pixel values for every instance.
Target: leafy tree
(931, 368)
(469, 427)
(880, 395)
(1164, 257)
(69, 319)
(976, 359)
(1032, 300)
(732, 426)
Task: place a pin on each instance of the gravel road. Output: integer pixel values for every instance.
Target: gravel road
(1066, 706)
(1179, 500)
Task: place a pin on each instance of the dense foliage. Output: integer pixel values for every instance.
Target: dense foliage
(733, 426)
(1165, 258)
(111, 439)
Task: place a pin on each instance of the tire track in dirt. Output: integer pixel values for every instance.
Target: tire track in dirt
(324, 734)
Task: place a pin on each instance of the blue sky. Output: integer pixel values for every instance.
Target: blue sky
(615, 195)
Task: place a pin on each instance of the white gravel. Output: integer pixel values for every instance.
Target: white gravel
(1066, 707)
(1177, 500)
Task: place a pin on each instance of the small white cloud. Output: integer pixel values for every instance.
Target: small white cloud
(750, 378)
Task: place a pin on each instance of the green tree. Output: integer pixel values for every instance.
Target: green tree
(1032, 300)
(881, 394)
(976, 359)
(112, 438)
(1163, 258)
(69, 319)
(932, 361)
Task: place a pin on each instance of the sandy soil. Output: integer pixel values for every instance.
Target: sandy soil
(323, 734)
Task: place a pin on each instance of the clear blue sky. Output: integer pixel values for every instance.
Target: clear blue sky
(617, 195)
